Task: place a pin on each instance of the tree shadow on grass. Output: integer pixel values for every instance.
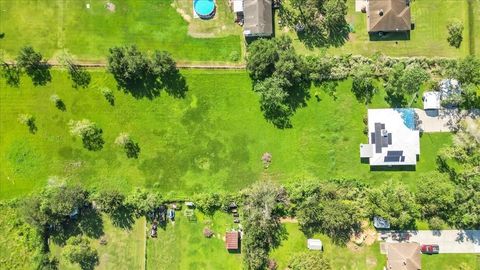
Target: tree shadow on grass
(89, 223)
(148, 87)
(396, 101)
(123, 218)
(175, 85)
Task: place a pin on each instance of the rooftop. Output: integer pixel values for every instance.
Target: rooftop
(231, 240)
(393, 139)
(403, 256)
(388, 15)
(258, 20)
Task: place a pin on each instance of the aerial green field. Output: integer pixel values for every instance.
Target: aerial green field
(429, 38)
(88, 33)
(181, 245)
(212, 139)
(125, 248)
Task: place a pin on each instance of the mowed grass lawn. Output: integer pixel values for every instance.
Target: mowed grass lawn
(212, 140)
(53, 25)
(125, 248)
(429, 38)
(181, 245)
(364, 257)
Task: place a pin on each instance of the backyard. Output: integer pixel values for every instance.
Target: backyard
(212, 139)
(429, 38)
(124, 248)
(88, 33)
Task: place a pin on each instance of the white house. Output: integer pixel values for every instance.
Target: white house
(393, 138)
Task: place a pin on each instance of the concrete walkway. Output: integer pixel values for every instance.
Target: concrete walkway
(445, 120)
(449, 241)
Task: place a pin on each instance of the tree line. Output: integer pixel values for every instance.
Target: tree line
(282, 78)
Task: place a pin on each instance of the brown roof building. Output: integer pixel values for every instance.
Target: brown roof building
(258, 18)
(232, 240)
(388, 16)
(403, 256)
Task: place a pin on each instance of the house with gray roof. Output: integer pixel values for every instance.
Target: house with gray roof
(258, 18)
(393, 138)
(388, 16)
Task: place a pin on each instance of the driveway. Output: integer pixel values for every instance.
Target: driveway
(449, 241)
(444, 120)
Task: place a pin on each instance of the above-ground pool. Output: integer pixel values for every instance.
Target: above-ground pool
(204, 8)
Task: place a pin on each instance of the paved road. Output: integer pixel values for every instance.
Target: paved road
(445, 121)
(449, 241)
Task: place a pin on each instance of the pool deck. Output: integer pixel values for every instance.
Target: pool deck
(443, 120)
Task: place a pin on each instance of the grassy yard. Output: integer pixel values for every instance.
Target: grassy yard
(213, 139)
(451, 261)
(125, 248)
(51, 26)
(181, 245)
(340, 257)
(475, 20)
(428, 39)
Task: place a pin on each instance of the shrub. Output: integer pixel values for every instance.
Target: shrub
(58, 102)
(131, 148)
(455, 29)
(88, 131)
(29, 121)
(108, 94)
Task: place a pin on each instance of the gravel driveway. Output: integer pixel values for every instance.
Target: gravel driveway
(449, 241)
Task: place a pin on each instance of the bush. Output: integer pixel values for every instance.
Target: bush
(208, 203)
(109, 201)
(89, 132)
(455, 30)
(29, 121)
(131, 148)
(234, 56)
(108, 94)
(58, 102)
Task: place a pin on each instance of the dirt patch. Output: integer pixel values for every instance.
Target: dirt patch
(288, 220)
(184, 15)
(371, 262)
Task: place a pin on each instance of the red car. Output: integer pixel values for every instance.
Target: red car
(430, 249)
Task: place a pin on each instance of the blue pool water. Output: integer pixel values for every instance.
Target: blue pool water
(408, 116)
(204, 7)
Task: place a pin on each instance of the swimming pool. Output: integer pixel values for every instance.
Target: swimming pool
(408, 116)
(204, 8)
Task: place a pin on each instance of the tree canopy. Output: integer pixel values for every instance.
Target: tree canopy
(363, 86)
(263, 230)
(34, 65)
(78, 251)
(455, 37)
(393, 202)
(89, 132)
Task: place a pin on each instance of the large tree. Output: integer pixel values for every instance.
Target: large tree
(273, 101)
(435, 196)
(34, 65)
(261, 212)
(467, 70)
(109, 201)
(261, 58)
(143, 201)
(402, 81)
(128, 65)
(395, 203)
(78, 251)
(363, 85)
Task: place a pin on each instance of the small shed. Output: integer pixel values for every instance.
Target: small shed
(232, 240)
(431, 100)
(380, 223)
(314, 244)
(238, 6)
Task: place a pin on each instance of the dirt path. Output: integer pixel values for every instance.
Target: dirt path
(183, 65)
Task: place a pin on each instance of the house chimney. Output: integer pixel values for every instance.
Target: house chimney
(380, 12)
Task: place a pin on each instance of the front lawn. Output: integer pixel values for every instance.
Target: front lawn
(340, 257)
(181, 245)
(88, 33)
(429, 38)
(213, 139)
(451, 261)
(125, 248)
